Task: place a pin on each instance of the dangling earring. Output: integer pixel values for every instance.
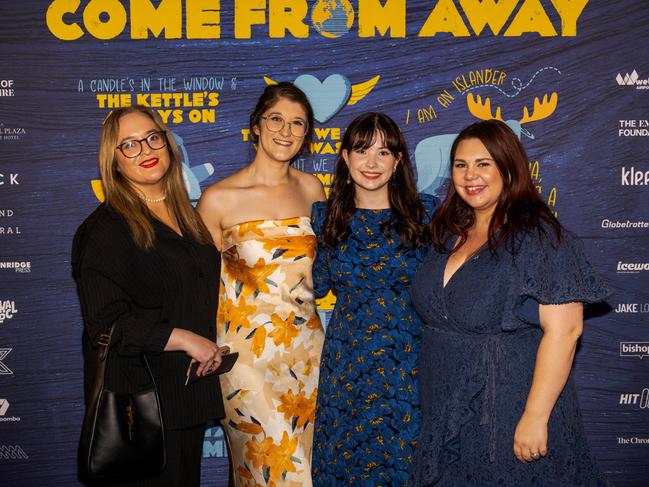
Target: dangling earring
(349, 180)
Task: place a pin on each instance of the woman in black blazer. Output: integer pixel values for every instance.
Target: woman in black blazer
(144, 261)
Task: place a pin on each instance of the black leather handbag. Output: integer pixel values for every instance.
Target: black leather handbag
(122, 434)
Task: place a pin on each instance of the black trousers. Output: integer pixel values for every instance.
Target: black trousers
(184, 455)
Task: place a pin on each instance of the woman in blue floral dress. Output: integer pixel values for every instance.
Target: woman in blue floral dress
(370, 232)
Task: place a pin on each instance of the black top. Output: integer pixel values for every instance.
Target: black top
(147, 294)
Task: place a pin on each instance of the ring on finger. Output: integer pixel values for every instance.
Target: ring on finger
(536, 456)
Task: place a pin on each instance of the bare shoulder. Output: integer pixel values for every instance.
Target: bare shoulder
(223, 193)
(311, 185)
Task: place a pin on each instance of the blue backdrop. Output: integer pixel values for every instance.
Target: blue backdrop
(571, 76)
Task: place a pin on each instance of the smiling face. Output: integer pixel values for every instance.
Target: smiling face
(146, 171)
(371, 169)
(281, 145)
(476, 177)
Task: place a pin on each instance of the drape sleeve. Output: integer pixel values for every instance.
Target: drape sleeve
(555, 273)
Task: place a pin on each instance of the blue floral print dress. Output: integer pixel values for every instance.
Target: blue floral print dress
(367, 415)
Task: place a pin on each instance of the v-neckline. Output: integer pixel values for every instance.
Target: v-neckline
(472, 257)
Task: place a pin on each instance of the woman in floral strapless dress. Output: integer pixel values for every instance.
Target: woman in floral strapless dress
(260, 219)
(268, 316)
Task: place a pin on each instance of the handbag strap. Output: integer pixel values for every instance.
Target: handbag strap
(104, 342)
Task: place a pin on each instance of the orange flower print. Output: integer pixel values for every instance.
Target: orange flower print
(225, 307)
(279, 457)
(249, 279)
(314, 323)
(290, 404)
(291, 246)
(258, 451)
(239, 315)
(252, 226)
(252, 428)
(298, 407)
(259, 341)
(284, 330)
(243, 473)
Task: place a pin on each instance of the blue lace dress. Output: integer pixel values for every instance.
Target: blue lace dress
(367, 417)
(477, 358)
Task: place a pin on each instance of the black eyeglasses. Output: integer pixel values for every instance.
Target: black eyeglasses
(275, 123)
(133, 148)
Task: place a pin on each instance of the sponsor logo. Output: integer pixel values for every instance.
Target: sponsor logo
(9, 179)
(12, 452)
(634, 349)
(7, 87)
(634, 177)
(633, 128)
(214, 444)
(4, 370)
(8, 230)
(18, 266)
(632, 308)
(4, 405)
(623, 224)
(11, 133)
(632, 267)
(640, 400)
(632, 79)
(7, 310)
(633, 440)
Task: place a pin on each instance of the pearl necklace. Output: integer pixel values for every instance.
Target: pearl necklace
(152, 200)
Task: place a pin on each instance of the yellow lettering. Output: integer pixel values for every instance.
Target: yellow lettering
(444, 18)
(552, 199)
(54, 19)
(487, 12)
(335, 133)
(531, 18)
(287, 15)
(245, 133)
(247, 13)
(203, 19)
(324, 178)
(372, 17)
(322, 132)
(569, 11)
(145, 17)
(112, 27)
(444, 99)
(164, 114)
(426, 114)
(534, 170)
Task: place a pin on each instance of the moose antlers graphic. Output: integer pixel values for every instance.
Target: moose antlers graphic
(432, 153)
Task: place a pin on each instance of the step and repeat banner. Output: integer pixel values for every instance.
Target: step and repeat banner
(570, 77)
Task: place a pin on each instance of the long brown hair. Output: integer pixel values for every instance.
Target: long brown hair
(519, 207)
(407, 210)
(270, 96)
(121, 196)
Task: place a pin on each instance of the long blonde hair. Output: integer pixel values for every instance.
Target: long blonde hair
(121, 195)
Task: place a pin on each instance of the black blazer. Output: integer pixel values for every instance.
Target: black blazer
(147, 294)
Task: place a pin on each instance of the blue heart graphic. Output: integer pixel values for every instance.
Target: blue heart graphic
(326, 97)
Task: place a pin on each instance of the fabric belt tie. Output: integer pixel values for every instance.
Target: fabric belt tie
(493, 352)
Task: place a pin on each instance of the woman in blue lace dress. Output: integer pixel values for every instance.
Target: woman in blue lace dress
(367, 418)
(501, 294)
